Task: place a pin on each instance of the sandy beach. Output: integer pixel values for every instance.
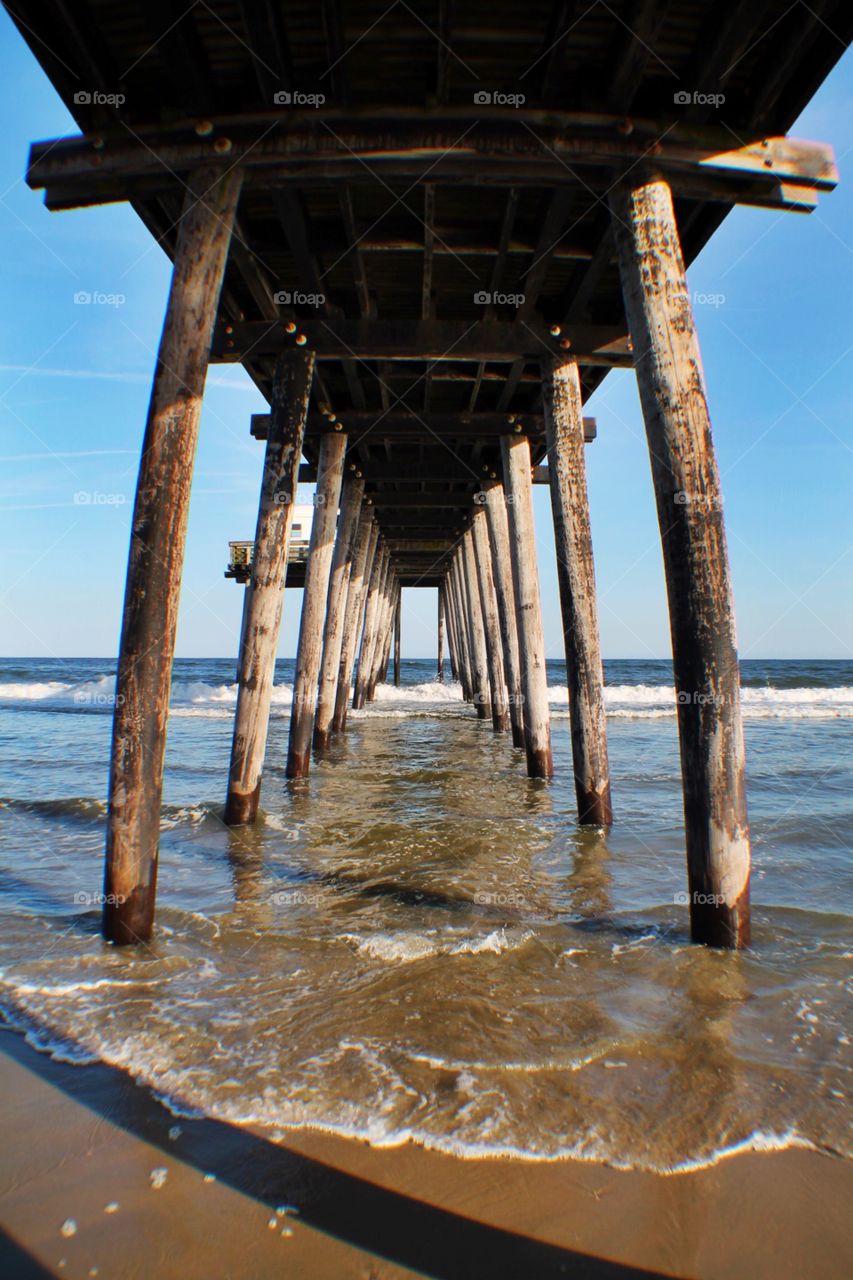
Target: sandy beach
(98, 1178)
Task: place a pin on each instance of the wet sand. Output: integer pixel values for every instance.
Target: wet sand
(235, 1204)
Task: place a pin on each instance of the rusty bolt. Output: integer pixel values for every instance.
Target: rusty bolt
(222, 146)
(204, 128)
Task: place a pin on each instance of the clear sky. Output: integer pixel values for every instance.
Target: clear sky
(777, 343)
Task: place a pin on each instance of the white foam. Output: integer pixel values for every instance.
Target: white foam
(420, 946)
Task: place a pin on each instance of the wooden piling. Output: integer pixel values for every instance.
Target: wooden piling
(368, 631)
(291, 391)
(397, 637)
(460, 615)
(515, 451)
(333, 632)
(561, 390)
(330, 465)
(489, 606)
(701, 610)
(476, 629)
(384, 629)
(155, 561)
(356, 599)
(498, 529)
(440, 670)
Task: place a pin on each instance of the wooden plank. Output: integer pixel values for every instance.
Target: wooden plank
(291, 390)
(445, 340)
(576, 577)
(156, 557)
(689, 503)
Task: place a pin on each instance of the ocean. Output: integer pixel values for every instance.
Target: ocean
(419, 943)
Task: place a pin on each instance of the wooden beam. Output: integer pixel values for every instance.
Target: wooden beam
(309, 647)
(356, 600)
(576, 578)
(155, 561)
(498, 530)
(689, 503)
(446, 340)
(491, 623)
(346, 551)
(409, 425)
(291, 390)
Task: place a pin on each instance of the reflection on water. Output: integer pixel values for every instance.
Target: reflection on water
(418, 941)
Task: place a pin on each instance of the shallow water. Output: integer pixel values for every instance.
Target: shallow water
(420, 942)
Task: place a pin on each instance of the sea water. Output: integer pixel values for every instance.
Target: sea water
(420, 943)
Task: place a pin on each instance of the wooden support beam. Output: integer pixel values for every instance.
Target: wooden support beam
(495, 279)
(689, 503)
(155, 561)
(498, 529)
(561, 391)
(489, 607)
(440, 669)
(368, 635)
(405, 424)
(309, 648)
(460, 615)
(356, 599)
(446, 146)
(476, 628)
(528, 610)
(397, 630)
(379, 660)
(290, 394)
(441, 340)
(349, 523)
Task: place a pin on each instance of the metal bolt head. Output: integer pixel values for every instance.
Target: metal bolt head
(204, 128)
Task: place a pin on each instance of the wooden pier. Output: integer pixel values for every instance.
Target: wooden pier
(427, 238)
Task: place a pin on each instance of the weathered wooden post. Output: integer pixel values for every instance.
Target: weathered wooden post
(496, 522)
(515, 450)
(701, 610)
(333, 632)
(561, 390)
(397, 629)
(368, 631)
(155, 560)
(489, 606)
(291, 391)
(460, 615)
(330, 467)
(476, 629)
(440, 671)
(356, 601)
(385, 624)
(374, 657)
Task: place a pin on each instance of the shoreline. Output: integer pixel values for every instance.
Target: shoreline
(80, 1138)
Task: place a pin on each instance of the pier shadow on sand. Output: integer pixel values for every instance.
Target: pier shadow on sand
(400, 1228)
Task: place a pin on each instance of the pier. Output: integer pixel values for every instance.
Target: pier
(427, 239)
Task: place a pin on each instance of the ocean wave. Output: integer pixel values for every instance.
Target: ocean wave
(196, 698)
(408, 947)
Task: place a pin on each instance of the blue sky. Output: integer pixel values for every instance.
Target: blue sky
(777, 343)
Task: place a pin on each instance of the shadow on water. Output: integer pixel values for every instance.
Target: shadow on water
(398, 1227)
